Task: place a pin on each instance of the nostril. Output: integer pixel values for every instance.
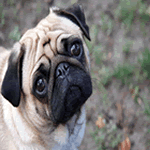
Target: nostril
(62, 70)
(66, 66)
(58, 72)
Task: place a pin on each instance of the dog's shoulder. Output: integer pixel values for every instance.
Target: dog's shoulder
(3, 53)
(2, 49)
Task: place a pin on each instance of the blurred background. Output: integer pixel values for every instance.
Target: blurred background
(118, 112)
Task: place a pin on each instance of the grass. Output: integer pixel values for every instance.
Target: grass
(142, 8)
(134, 90)
(128, 73)
(145, 62)
(10, 2)
(143, 12)
(2, 14)
(124, 72)
(147, 109)
(105, 75)
(2, 18)
(106, 137)
(38, 7)
(73, 1)
(106, 24)
(127, 11)
(147, 106)
(15, 34)
(98, 54)
(94, 31)
(127, 47)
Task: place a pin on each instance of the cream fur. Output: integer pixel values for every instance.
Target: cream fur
(17, 129)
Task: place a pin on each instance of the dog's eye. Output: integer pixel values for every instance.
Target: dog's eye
(75, 49)
(41, 86)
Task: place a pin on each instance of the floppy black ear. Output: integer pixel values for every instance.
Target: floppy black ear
(76, 14)
(11, 86)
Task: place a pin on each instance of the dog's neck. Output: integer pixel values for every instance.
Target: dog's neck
(22, 132)
(26, 134)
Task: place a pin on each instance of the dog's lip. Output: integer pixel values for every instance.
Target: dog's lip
(71, 123)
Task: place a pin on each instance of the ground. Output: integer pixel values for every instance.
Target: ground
(120, 65)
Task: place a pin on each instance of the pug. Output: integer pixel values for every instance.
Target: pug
(44, 83)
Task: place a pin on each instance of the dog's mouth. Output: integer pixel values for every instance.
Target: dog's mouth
(70, 93)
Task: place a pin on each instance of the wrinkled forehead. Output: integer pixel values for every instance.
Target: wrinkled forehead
(51, 30)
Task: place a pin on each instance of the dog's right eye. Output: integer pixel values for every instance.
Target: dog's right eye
(41, 87)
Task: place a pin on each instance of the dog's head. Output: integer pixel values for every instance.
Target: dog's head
(48, 70)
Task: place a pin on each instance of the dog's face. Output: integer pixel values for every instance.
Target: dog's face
(48, 72)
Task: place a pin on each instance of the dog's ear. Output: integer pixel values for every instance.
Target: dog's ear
(76, 14)
(11, 86)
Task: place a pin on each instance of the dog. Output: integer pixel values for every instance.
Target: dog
(44, 83)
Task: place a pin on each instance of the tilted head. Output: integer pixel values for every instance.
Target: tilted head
(48, 70)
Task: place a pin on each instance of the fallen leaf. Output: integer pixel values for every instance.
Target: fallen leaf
(132, 91)
(119, 122)
(148, 10)
(125, 145)
(139, 101)
(133, 97)
(18, 7)
(100, 122)
(109, 55)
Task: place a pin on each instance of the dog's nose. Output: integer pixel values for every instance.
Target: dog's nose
(62, 70)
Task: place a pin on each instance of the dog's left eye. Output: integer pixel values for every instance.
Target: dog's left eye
(75, 49)
(41, 87)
